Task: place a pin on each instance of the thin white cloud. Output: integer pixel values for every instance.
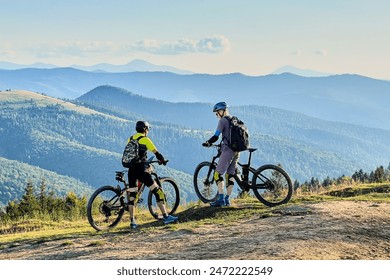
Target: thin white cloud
(321, 52)
(153, 46)
(296, 53)
(213, 44)
(77, 49)
(7, 54)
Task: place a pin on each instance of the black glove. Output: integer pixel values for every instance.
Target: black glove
(206, 144)
(160, 158)
(209, 142)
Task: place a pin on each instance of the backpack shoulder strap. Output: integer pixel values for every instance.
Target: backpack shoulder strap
(139, 138)
(229, 118)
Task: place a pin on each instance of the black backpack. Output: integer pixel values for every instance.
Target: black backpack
(239, 135)
(131, 154)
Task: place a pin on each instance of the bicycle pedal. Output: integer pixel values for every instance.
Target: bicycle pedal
(140, 200)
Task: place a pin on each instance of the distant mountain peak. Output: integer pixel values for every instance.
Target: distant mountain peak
(14, 66)
(300, 72)
(136, 65)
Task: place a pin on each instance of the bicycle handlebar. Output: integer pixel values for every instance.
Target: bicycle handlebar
(159, 162)
(213, 145)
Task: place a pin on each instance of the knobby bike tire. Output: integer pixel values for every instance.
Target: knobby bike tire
(102, 215)
(205, 187)
(171, 191)
(278, 187)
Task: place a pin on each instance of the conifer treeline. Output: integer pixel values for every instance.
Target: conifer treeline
(44, 205)
(380, 175)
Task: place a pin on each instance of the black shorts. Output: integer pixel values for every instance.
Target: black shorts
(137, 172)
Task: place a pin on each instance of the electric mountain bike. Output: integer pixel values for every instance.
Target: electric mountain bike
(270, 183)
(108, 203)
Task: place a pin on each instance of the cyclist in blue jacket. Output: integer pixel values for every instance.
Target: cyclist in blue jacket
(228, 159)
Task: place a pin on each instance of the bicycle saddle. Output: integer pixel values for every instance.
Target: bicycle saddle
(252, 149)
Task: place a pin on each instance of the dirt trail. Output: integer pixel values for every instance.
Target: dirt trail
(327, 230)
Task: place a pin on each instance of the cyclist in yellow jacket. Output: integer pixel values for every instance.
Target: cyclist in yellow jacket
(139, 172)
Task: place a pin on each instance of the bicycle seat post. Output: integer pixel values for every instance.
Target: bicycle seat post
(250, 156)
(251, 150)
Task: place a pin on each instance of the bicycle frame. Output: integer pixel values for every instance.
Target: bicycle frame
(243, 182)
(108, 203)
(270, 183)
(139, 184)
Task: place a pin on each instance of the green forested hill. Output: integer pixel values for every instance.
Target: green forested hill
(86, 145)
(15, 175)
(79, 144)
(337, 143)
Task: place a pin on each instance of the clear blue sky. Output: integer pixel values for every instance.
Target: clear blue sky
(215, 36)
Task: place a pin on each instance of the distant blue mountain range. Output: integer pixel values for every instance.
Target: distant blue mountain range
(342, 98)
(136, 65)
(300, 72)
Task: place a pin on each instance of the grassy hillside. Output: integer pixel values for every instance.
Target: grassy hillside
(192, 216)
(17, 99)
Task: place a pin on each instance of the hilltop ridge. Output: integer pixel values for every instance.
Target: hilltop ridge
(24, 98)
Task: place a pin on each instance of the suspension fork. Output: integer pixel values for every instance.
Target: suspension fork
(212, 164)
(211, 168)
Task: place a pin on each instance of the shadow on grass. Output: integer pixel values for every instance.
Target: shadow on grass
(201, 212)
(192, 213)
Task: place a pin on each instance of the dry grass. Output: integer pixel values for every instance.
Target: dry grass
(193, 215)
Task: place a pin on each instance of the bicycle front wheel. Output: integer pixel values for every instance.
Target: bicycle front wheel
(272, 185)
(105, 208)
(172, 198)
(205, 186)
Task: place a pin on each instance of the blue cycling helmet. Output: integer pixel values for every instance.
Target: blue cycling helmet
(220, 106)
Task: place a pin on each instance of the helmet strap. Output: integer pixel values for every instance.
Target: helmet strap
(221, 115)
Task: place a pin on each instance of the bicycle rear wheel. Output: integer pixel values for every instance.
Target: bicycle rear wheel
(272, 185)
(105, 208)
(205, 186)
(172, 197)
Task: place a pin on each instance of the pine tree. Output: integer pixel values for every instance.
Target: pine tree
(327, 182)
(379, 175)
(12, 210)
(42, 198)
(296, 185)
(29, 204)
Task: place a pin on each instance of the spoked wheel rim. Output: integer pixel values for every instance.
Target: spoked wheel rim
(272, 185)
(205, 186)
(172, 198)
(105, 208)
